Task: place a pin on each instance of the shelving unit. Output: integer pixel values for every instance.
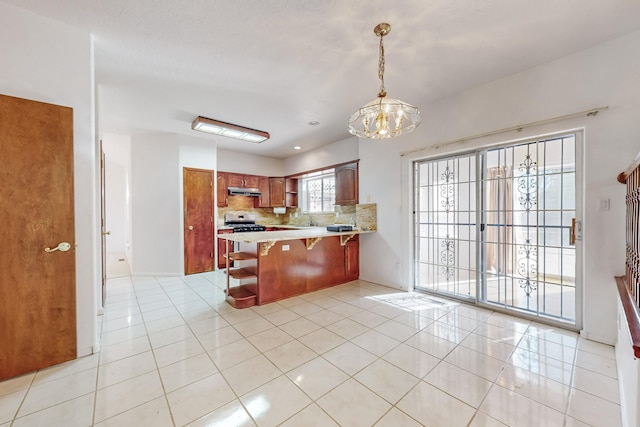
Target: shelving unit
(241, 266)
(291, 192)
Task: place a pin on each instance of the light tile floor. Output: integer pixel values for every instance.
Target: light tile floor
(174, 353)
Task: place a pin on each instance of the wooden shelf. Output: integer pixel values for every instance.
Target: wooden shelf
(241, 297)
(240, 256)
(241, 273)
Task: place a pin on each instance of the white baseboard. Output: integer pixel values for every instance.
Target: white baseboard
(144, 274)
(598, 338)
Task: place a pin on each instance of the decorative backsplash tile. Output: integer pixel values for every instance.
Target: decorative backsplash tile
(363, 216)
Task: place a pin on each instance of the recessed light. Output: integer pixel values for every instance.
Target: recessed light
(297, 147)
(314, 123)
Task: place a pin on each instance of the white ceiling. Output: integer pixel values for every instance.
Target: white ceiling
(276, 65)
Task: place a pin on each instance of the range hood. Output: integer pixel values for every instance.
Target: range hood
(239, 191)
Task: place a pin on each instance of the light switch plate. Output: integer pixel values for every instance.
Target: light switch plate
(603, 205)
(285, 247)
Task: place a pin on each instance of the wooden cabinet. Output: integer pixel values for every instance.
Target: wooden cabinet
(297, 270)
(347, 184)
(222, 249)
(352, 259)
(263, 200)
(222, 187)
(291, 192)
(242, 181)
(276, 192)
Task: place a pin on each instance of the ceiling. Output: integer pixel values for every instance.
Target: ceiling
(276, 65)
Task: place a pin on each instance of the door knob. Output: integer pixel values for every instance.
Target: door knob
(62, 247)
(191, 227)
(106, 233)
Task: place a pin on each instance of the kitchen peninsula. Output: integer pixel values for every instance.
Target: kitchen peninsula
(273, 265)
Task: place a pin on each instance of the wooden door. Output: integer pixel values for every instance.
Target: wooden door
(347, 184)
(276, 192)
(37, 288)
(251, 181)
(222, 189)
(222, 249)
(235, 180)
(263, 200)
(352, 259)
(198, 220)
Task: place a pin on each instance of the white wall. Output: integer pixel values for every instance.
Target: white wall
(157, 160)
(48, 61)
(230, 161)
(605, 75)
(117, 151)
(628, 372)
(338, 152)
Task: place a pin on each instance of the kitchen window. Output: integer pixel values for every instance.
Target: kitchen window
(318, 191)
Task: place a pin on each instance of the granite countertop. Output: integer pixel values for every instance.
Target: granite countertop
(293, 234)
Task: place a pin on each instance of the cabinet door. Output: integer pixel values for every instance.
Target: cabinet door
(222, 186)
(276, 192)
(235, 180)
(347, 184)
(222, 249)
(352, 259)
(251, 181)
(262, 201)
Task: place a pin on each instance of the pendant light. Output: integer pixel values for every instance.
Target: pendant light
(383, 117)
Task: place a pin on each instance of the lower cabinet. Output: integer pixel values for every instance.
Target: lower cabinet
(291, 269)
(352, 259)
(222, 249)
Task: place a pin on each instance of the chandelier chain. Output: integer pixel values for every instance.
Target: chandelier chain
(381, 68)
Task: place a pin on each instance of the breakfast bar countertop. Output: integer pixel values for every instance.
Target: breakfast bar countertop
(297, 233)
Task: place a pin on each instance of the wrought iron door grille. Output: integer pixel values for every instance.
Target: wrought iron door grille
(524, 259)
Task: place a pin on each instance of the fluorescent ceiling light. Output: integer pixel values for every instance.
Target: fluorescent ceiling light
(216, 127)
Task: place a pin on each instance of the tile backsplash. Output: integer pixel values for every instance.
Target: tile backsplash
(363, 216)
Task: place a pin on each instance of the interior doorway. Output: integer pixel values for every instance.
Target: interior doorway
(116, 184)
(498, 227)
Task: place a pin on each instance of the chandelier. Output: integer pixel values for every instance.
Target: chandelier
(383, 117)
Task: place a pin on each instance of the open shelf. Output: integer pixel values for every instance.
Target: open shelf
(240, 256)
(241, 273)
(241, 266)
(241, 297)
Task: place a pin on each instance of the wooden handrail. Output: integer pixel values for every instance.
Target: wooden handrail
(631, 313)
(629, 284)
(622, 176)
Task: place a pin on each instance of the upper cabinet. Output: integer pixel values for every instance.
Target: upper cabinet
(263, 201)
(347, 184)
(242, 181)
(276, 192)
(222, 187)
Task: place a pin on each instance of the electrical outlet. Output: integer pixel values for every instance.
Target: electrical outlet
(285, 248)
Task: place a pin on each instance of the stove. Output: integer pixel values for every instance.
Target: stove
(242, 223)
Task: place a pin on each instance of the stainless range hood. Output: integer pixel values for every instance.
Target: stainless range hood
(239, 191)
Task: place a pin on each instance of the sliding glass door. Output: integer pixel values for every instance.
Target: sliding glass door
(513, 246)
(445, 235)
